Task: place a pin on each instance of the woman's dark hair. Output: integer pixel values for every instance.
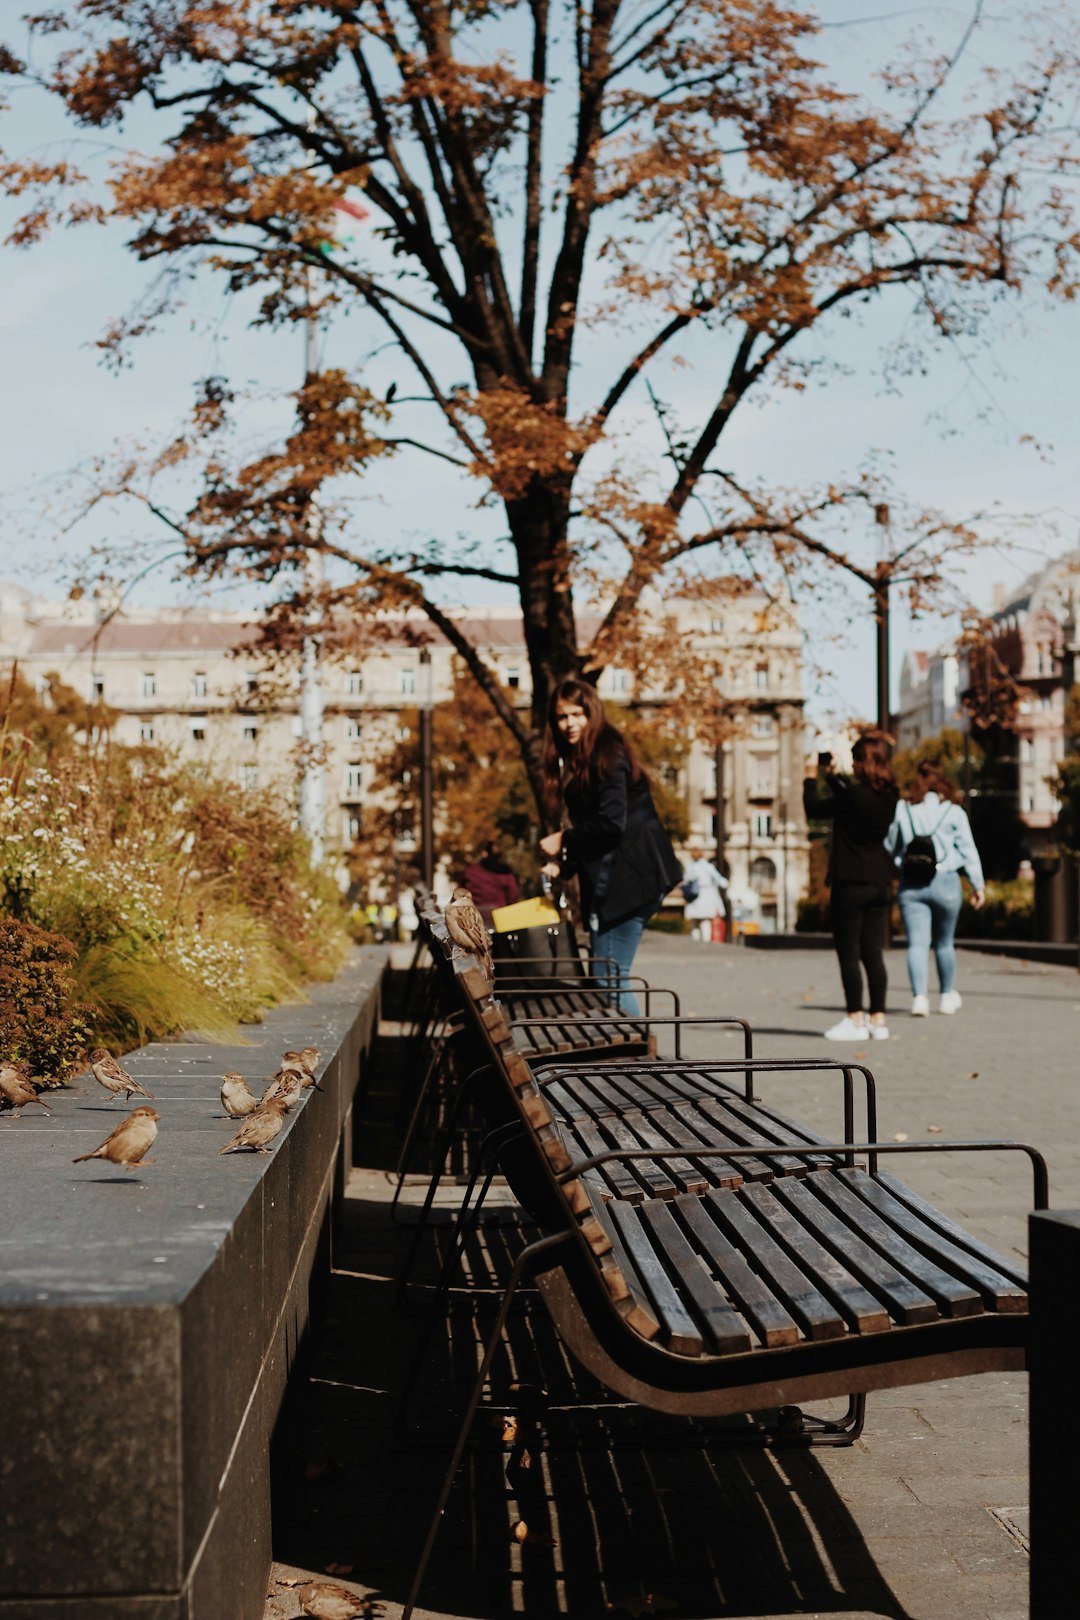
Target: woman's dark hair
(871, 757)
(930, 778)
(600, 749)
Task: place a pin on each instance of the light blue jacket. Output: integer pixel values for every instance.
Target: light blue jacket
(950, 829)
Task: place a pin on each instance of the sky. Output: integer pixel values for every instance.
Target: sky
(985, 427)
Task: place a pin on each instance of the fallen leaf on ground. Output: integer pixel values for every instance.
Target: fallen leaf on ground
(535, 1538)
(935, 1130)
(974, 1075)
(901, 1136)
(510, 1430)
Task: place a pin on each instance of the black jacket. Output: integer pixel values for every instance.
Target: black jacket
(617, 846)
(861, 816)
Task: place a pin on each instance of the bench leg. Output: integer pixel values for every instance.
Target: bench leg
(797, 1428)
(436, 1179)
(523, 1263)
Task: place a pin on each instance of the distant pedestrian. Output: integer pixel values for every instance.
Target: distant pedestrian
(860, 874)
(490, 881)
(932, 843)
(616, 844)
(703, 890)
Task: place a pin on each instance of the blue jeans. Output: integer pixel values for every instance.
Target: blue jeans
(930, 919)
(618, 942)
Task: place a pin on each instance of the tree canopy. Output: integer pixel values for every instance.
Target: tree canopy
(573, 212)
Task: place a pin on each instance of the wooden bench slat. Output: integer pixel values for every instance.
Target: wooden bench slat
(975, 1262)
(955, 1296)
(722, 1321)
(907, 1302)
(794, 1287)
(769, 1318)
(589, 1140)
(656, 1176)
(680, 1331)
(860, 1308)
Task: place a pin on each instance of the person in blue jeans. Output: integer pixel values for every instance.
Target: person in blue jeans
(931, 810)
(616, 843)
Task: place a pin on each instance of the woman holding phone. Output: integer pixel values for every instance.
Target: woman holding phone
(615, 844)
(860, 874)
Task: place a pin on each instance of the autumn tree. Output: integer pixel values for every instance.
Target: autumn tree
(576, 213)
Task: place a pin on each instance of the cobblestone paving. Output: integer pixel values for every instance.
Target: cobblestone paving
(924, 1518)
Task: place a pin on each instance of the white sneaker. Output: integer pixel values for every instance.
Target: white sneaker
(847, 1030)
(950, 1002)
(920, 1006)
(879, 1032)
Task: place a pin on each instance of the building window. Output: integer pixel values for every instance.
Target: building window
(352, 730)
(350, 826)
(762, 824)
(716, 627)
(407, 679)
(762, 875)
(513, 678)
(251, 683)
(198, 728)
(198, 684)
(250, 731)
(1027, 750)
(403, 734)
(97, 688)
(146, 733)
(354, 772)
(354, 683)
(620, 680)
(149, 684)
(249, 777)
(761, 677)
(762, 725)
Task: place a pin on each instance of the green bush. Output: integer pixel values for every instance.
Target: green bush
(41, 1019)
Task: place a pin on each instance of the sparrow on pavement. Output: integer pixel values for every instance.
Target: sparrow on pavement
(468, 929)
(127, 1143)
(236, 1096)
(260, 1128)
(15, 1088)
(326, 1600)
(287, 1083)
(308, 1059)
(108, 1073)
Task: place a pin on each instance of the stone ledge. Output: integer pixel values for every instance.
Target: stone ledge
(150, 1320)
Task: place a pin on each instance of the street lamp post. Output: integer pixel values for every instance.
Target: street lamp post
(427, 774)
(312, 769)
(882, 577)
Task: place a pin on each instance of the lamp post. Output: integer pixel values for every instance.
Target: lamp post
(427, 775)
(312, 770)
(882, 578)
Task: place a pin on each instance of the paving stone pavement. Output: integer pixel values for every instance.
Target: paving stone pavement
(924, 1517)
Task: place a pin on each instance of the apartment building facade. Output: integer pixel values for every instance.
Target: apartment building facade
(192, 681)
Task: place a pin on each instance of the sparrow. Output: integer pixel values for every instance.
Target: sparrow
(108, 1073)
(236, 1097)
(467, 928)
(326, 1600)
(308, 1059)
(260, 1128)
(127, 1143)
(15, 1088)
(287, 1083)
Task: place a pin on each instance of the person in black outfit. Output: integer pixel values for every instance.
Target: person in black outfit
(861, 809)
(615, 843)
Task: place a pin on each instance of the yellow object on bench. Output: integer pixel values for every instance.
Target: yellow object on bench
(535, 913)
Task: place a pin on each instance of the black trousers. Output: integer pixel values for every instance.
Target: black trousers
(859, 914)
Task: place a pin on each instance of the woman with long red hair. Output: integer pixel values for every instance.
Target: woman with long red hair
(860, 808)
(615, 842)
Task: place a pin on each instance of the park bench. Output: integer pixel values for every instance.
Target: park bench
(744, 1297)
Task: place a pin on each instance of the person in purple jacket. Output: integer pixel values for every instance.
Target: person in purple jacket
(490, 881)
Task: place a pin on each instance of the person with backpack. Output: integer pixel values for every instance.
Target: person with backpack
(860, 875)
(931, 842)
(703, 888)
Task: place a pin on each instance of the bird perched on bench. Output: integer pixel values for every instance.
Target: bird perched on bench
(16, 1089)
(467, 928)
(260, 1128)
(129, 1141)
(308, 1059)
(108, 1073)
(236, 1095)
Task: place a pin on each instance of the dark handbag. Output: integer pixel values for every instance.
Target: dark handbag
(919, 865)
(545, 952)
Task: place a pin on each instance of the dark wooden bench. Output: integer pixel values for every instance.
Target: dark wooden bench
(744, 1298)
